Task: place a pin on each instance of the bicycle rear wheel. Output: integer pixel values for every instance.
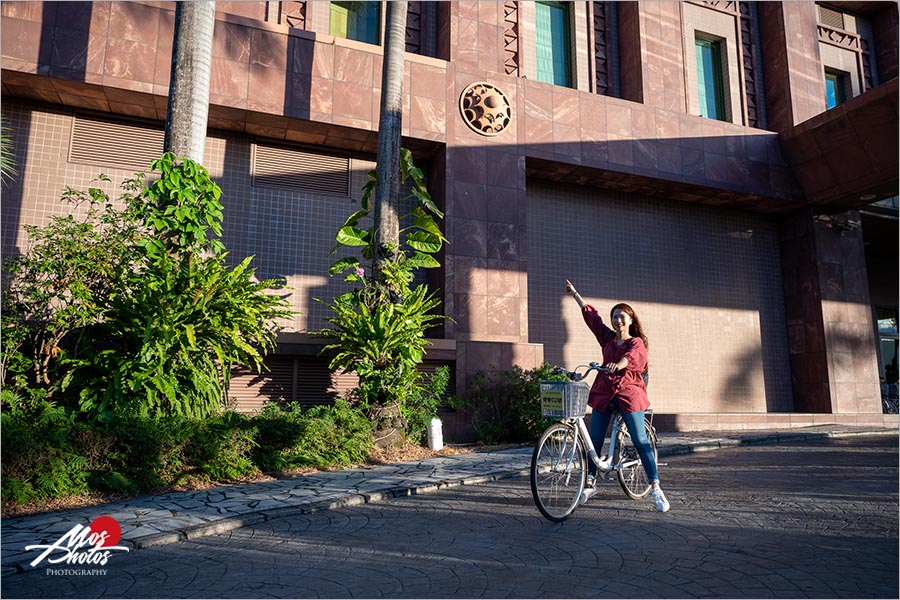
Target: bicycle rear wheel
(558, 471)
(633, 477)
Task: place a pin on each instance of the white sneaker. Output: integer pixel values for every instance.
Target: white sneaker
(586, 494)
(662, 505)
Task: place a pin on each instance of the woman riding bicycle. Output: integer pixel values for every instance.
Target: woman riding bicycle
(625, 355)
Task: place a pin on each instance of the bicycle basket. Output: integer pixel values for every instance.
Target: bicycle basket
(564, 399)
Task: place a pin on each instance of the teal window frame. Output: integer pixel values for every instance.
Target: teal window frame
(710, 83)
(553, 43)
(360, 21)
(835, 89)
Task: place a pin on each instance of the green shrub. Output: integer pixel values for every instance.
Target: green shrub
(39, 460)
(221, 448)
(321, 436)
(379, 328)
(136, 311)
(187, 318)
(47, 453)
(145, 453)
(422, 404)
(506, 405)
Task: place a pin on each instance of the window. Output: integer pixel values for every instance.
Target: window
(356, 21)
(835, 88)
(553, 45)
(710, 88)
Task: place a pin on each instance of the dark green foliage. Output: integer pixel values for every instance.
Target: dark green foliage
(382, 342)
(135, 309)
(506, 405)
(318, 437)
(47, 453)
(422, 403)
(39, 459)
(380, 327)
(63, 282)
(220, 448)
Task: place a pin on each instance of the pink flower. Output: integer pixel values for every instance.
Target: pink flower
(360, 272)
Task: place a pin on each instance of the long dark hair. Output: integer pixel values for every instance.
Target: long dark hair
(636, 329)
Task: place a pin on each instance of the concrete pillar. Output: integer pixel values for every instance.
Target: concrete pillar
(831, 338)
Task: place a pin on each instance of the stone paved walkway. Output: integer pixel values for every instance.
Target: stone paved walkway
(154, 520)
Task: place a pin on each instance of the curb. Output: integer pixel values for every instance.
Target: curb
(764, 439)
(227, 524)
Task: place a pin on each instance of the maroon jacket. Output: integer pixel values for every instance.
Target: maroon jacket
(627, 385)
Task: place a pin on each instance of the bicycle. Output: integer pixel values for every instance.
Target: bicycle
(559, 463)
(889, 398)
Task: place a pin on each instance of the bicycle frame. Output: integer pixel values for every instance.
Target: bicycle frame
(583, 432)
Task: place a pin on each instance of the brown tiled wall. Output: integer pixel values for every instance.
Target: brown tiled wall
(40, 147)
(706, 283)
(289, 233)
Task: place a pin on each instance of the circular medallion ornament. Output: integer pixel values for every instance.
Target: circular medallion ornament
(485, 108)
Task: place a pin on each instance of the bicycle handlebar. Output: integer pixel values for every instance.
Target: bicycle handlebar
(574, 375)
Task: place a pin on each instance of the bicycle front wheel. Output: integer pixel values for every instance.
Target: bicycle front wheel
(632, 476)
(558, 471)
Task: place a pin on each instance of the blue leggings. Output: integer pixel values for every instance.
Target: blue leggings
(635, 424)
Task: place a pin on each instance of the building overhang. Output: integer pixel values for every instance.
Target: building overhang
(653, 187)
(847, 157)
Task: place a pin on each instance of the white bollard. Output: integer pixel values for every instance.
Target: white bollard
(435, 435)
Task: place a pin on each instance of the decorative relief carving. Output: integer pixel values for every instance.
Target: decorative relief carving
(601, 48)
(720, 5)
(484, 108)
(837, 37)
(292, 14)
(868, 76)
(511, 38)
(751, 85)
(414, 27)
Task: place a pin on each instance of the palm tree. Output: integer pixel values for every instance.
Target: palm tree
(387, 187)
(188, 108)
(7, 160)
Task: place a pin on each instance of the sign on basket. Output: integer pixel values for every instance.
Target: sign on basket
(564, 399)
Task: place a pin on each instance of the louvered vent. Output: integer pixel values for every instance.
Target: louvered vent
(301, 170)
(113, 142)
(830, 17)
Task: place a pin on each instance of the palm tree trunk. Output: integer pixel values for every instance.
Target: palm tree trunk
(387, 187)
(188, 108)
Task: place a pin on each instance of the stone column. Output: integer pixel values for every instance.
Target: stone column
(794, 81)
(831, 338)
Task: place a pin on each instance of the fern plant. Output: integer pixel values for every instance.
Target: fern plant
(379, 328)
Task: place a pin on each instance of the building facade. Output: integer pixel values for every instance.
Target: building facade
(730, 169)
